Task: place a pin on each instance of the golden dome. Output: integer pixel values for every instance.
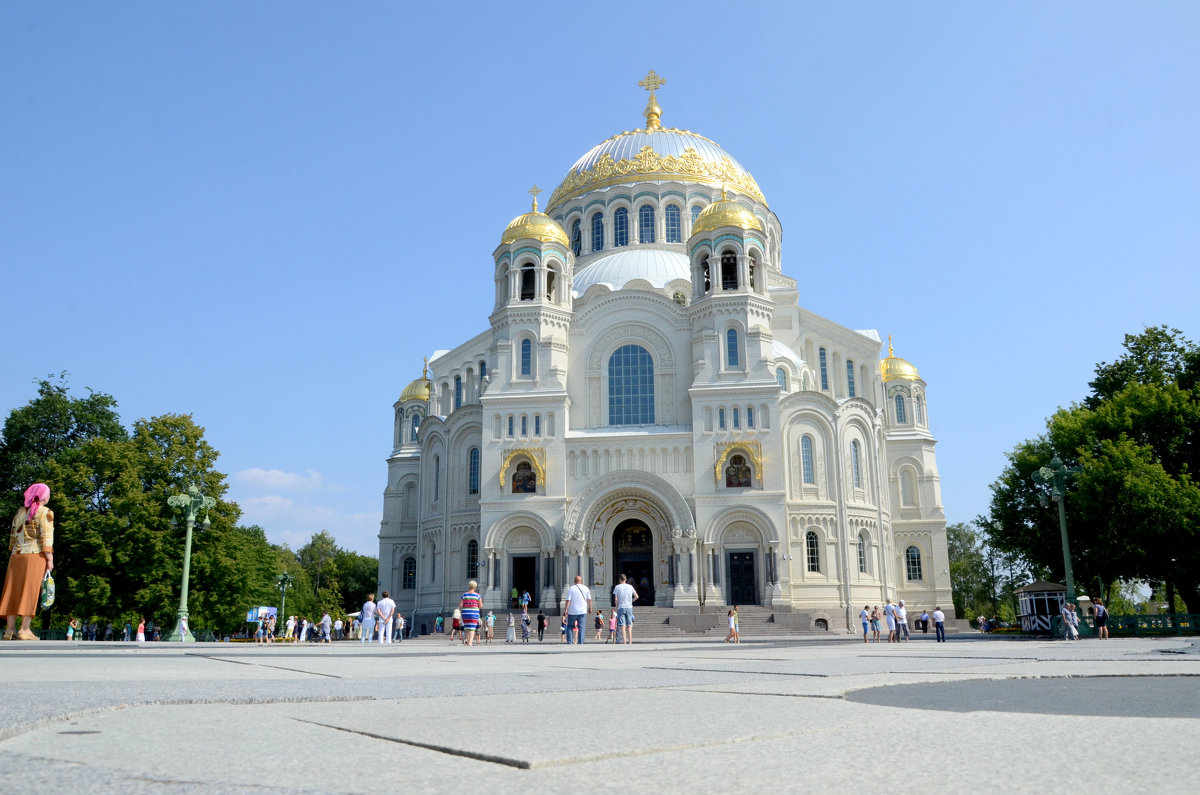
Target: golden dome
(725, 212)
(534, 226)
(893, 368)
(420, 389)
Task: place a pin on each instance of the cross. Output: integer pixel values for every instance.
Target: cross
(652, 82)
(534, 191)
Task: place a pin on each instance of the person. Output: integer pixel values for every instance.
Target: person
(577, 604)
(515, 595)
(385, 612)
(889, 616)
(901, 621)
(924, 621)
(511, 635)
(737, 626)
(981, 621)
(367, 617)
(939, 624)
(526, 600)
(599, 622)
(563, 628)
(401, 624)
(326, 626)
(271, 629)
(491, 625)
(541, 625)
(127, 633)
(337, 629)
(439, 624)
(31, 545)
(290, 627)
(732, 631)
(625, 596)
(74, 622)
(875, 619)
(865, 616)
(468, 607)
(456, 625)
(1070, 621)
(612, 626)
(303, 629)
(1101, 620)
(525, 622)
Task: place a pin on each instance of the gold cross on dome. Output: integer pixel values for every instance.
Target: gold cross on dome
(534, 192)
(652, 82)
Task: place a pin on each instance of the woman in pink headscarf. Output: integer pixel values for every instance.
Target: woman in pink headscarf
(32, 555)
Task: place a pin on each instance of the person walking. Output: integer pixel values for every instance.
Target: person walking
(939, 624)
(924, 621)
(31, 548)
(865, 617)
(367, 617)
(326, 626)
(515, 596)
(889, 617)
(1071, 619)
(599, 622)
(541, 625)
(1101, 620)
(141, 630)
(901, 621)
(511, 635)
(577, 605)
(732, 632)
(875, 619)
(469, 606)
(456, 625)
(612, 627)
(525, 624)
(625, 596)
(491, 626)
(563, 628)
(385, 611)
(290, 627)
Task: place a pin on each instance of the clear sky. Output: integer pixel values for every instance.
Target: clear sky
(265, 214)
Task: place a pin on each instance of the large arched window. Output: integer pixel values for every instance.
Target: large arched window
(900, 415)
(473, 471)
(472, 559)
(630, 386)
(855, 464)
(849, 378)
(674, 224)
(408, 580)
(457, 391)
(528, 293)
(416, 423)
(576, 238)
(812, 549)
(912, 563)
(806, 459)
(526, 356)
(732, 359)
(862, 554)
(621, 227)
(729, 274)
(645, 224)
(597, 231)
(824, 370)
(781, 377)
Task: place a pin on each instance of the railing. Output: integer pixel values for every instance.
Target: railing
(1133, 625)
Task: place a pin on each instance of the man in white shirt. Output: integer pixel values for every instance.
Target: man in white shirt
(889, 616)
(337, 629)
(291, 626)
(367, 617)
(383, 617)
(901, 621)
(939, 624)
(625, 595)
(577, 606)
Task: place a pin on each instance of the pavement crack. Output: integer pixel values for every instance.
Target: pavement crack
(725, 671)
(520, 764)
(216, 658)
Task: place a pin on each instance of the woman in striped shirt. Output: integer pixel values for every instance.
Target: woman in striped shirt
(469, 605)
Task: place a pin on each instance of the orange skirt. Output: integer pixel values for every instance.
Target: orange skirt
(23, 585)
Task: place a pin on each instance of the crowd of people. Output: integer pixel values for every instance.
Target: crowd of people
(895, 616)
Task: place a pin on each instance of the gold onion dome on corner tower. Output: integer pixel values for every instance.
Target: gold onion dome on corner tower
(893, 368)
(725, 212)
(419, 389)
(534, 226)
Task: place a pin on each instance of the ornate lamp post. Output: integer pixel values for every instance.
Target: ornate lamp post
(1056, 476)
(283, 582)
(188, 505)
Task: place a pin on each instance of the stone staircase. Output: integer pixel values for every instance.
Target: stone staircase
(664, 622)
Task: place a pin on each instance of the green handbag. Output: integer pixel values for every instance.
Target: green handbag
(47, 598)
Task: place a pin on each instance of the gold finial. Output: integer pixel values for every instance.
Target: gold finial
(425, 369)
(890, 352)
(534, 191)
(652, 82)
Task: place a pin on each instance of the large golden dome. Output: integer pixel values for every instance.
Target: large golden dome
(420, 389)
(534, 226)
(725, 212)
(893, 368)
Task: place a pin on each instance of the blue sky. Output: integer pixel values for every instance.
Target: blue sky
(266, 214)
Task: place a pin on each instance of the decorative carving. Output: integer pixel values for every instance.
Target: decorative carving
(752, 449)
(657, 342)
(522, 538)
(537, 461)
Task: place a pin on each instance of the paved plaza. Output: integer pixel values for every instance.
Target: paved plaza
(795, 715)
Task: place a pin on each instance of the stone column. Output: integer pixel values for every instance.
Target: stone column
(714, 595)
(684, 594)
(549, 594)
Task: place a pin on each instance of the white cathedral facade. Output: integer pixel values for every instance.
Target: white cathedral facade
(649, 398)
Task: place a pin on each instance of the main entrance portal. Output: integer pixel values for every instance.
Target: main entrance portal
(742, 590)
(633, 556)
(524, 576)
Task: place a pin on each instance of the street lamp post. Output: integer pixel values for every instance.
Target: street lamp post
(283, 581)
(1056, 476)
(189, 506)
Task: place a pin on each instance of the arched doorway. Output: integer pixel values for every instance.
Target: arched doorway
(633, 556)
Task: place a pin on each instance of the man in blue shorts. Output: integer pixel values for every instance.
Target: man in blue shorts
(625, 596)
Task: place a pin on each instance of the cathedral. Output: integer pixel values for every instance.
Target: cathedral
(649, 398)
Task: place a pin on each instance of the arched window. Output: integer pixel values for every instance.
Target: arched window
(738, 474)
(849, 378)
(862, 554)
(630, 386)
(416, 423)
(737, 417)
(912, 563)
(437, 476)
(524, 479)
(526, 356)
(900, 416)
(721, 419)
(920, 404)
(537, 425)
(824, 370)
(908, 487)
(749, 416)
(472, 559)
(598, 232)
(782, 378)
(806, 459)
(855, 464)
(731, 349)
(524, 425)
(674, 225)
(510, 425)
(457, 391)
(729, 274)
(621, 227)
(527, 281)
(482, 371)
(408, 579)
(576, 238)
(645, 224)
(812, 549)
(551, 276)
(473, 471)
(696, 213)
